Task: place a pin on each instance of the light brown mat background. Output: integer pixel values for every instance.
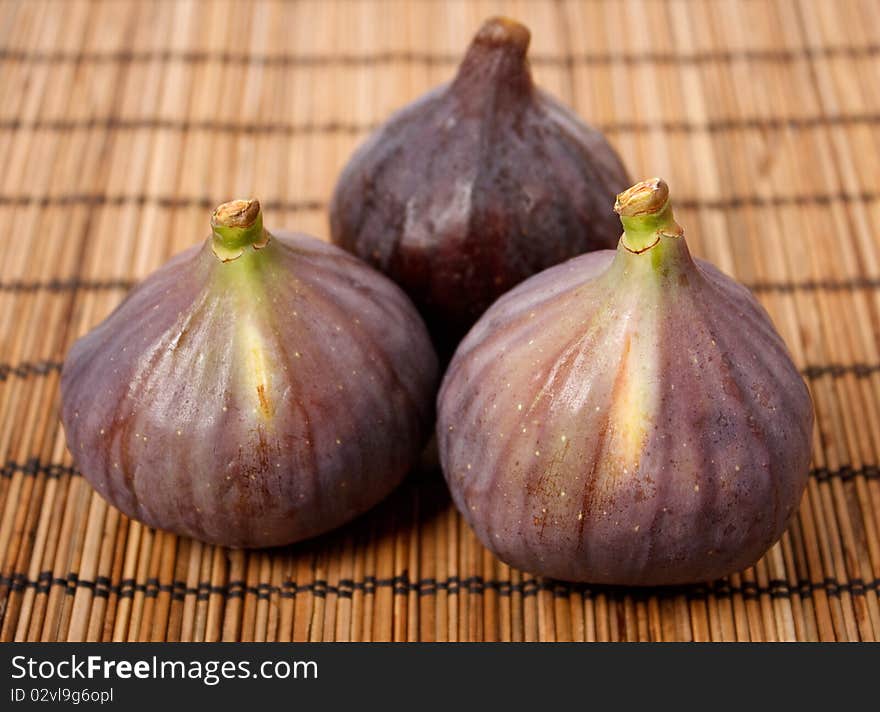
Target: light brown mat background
(123, 123)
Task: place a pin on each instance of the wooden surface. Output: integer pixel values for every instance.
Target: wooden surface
(123, 123)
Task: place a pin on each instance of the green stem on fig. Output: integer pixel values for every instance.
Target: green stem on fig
(235, 226)
(646, 214)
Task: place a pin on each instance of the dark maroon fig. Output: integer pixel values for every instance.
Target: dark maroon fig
(628, 417)
(255, 391)
(476, 186)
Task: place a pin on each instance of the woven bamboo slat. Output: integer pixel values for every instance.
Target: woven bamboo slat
(123, 123)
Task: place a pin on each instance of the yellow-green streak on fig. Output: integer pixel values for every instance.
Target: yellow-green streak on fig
(238, 239)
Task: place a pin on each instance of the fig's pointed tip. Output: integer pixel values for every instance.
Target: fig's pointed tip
(236, 213)
(644, 198)
(503, 31)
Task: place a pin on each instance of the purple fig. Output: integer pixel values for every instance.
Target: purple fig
(476, 186)
(256, 390)
(627, 417)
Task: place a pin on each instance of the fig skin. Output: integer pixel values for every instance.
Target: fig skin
(476, 186)
(629, 417)
(252, 393)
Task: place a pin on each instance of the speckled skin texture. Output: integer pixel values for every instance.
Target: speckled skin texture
(627, 419)
(476, 186)
(256, 402)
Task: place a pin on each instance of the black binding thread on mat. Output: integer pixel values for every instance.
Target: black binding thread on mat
(141, 200)
(74, 284)
(436, 58)
(28, 369)
(207, 203)
(838, 370)
(817, 285)
(38, 369)
(401, 585)
(34, 466)
(281, 128)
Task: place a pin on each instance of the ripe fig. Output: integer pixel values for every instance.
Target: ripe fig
(628, 417)
(476, 186)
(257, 390)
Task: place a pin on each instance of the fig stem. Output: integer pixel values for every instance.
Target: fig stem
(646, 214)
(237, 225)
(495, 71)
(503, 31)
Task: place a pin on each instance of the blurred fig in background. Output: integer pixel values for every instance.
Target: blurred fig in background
(476, 186)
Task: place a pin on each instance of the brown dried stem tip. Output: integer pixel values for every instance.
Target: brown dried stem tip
(237, 225)
(236, 213)
(502, 31)
(646, 213)
(643, 198)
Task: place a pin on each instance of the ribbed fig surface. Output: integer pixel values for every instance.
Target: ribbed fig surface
(627, 417)
(476, 186)
(256, 390)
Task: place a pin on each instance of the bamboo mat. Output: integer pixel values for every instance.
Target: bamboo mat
(122, 124)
